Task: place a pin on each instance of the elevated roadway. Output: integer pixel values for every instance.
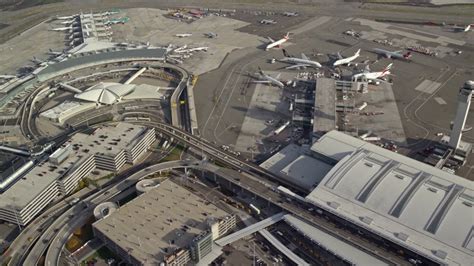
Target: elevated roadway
(250, 229)
(221, 155)
(282, 248)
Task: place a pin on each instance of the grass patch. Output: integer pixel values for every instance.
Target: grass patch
(175, 154)
(81, 236)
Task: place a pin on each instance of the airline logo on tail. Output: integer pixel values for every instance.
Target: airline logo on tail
(407, 55)
(386, 70)
(287, 36)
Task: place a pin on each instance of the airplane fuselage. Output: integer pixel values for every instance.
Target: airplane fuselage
(301, 61)
(371, 75)
(274, 81)
(7, 77)
(277, 43)
(390, 54)
(346, 60)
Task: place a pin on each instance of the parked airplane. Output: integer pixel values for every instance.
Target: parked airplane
(347, 60)
(62, 29)
(68, 22)
(38, 61)
(372, 76)
(51, 52)
(195, 49)
(7, 77)
(181, 35)
(108, 13)
(302, 62)
(66, 17)
(393, 54)
(267, 79)
(210, 35)
(267, 21)
(290, 14)
(462, 29)
(278, 43)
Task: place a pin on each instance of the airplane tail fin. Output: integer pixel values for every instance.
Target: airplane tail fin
(386, 70)
(357, 53)
(287, 35)
(407, 55)
(261, 71)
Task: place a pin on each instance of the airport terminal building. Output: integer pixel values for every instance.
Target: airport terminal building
(414, 206)
(109, 148)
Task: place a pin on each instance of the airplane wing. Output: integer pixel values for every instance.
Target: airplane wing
(367, 69)
(398, 52)
(260, 81)
(270, 39)
(278, 76)
(297, 66)
(382, 81)
(303, 56)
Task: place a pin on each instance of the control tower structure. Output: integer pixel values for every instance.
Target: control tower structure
(464, 102)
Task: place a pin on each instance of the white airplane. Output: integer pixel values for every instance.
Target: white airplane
(86, 30)
(7, 77)
(462, 29)
(62, 29)
(181, 35)
(302, 62)
(108, 13)
(179, 48)
(267, 21)
(278, 43)
(347, 60)
(68, 22)
(38, 61)
(373, 76)
(210, 35)
(290, 14)
(195, 49)
(66, 17)
(51, 52)
(267, 79)
(393, 54)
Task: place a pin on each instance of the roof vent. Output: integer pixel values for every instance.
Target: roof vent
(440, 253)
(401, 236)
(366, 220)
(399, 176)
(369, 164)
(333, 204)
